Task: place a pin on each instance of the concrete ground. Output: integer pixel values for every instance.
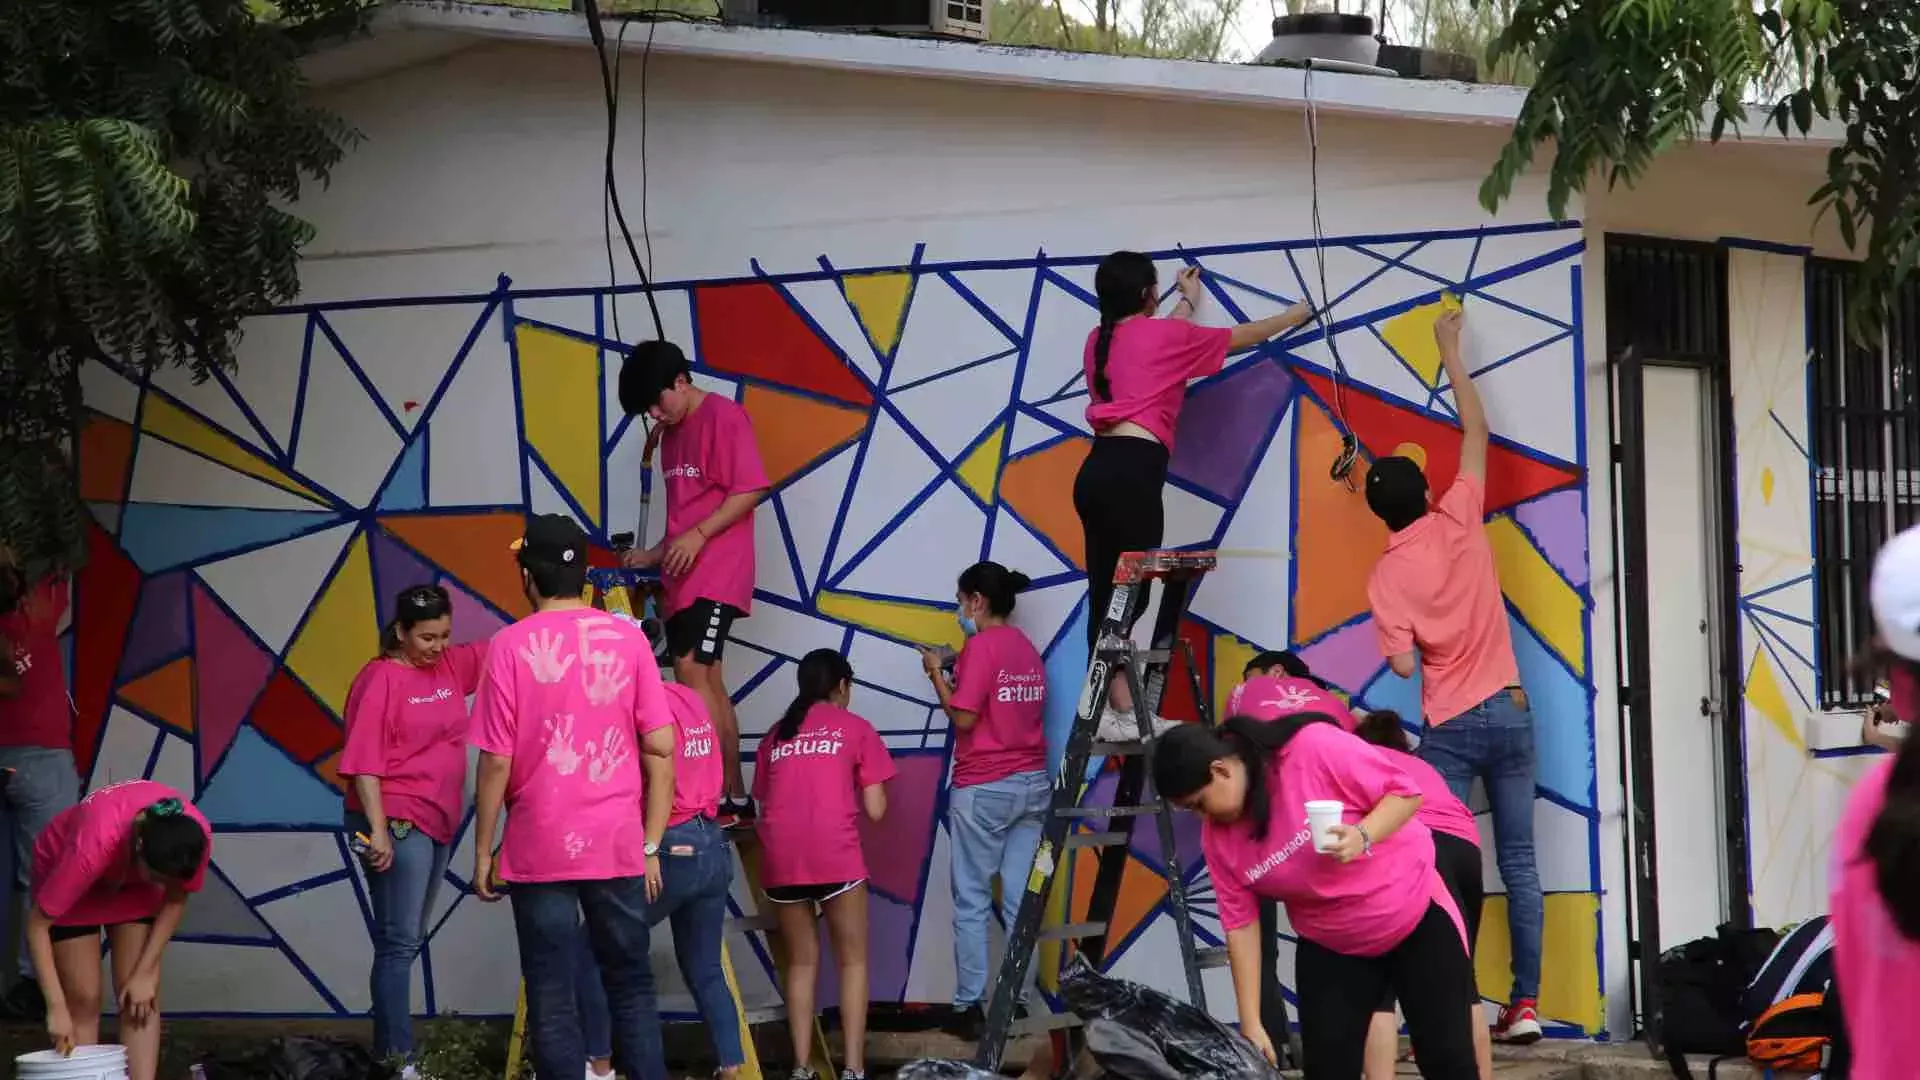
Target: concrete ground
(186, 1040)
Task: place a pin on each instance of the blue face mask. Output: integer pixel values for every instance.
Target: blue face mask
(968, 626)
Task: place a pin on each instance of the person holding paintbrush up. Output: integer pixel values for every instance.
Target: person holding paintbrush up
(1137, 368)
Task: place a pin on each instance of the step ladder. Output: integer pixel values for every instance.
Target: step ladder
(1145, 672)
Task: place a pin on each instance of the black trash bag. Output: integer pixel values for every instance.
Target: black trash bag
(293, 1057)
(1126, 1054)
(1192, 1042)
(925, 1069)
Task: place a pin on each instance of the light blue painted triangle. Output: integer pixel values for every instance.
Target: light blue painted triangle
(407, 488)
(1390, 691)
(258, 785)
(162, 536)
(107, 514)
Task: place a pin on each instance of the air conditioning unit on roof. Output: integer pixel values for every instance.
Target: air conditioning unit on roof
(946, 18)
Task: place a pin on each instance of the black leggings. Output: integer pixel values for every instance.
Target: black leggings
(1117, 495)
(1434, 980)
(1458, 863)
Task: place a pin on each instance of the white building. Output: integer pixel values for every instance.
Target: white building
(885, 247)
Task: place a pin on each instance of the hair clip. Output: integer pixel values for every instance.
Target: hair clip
(165, 808)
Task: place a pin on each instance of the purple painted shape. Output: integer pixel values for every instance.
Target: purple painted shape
(1186, 840)
(229, 671)
(898, 846)
(889, 952)
(1347, 657)
(394, 568)
(1227, 424)
(1558, 525)
(159, 631)
(472, 619)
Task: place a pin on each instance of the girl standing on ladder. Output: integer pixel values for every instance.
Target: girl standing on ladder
(1137, 367)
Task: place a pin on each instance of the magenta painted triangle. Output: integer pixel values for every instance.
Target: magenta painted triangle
(229, 670)
(1346, 657)
(473, 620)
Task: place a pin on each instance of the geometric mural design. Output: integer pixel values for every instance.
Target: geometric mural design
(914, 419)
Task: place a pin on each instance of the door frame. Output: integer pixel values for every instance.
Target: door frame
(1667, 307)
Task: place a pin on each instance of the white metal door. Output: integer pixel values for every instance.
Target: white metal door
(1682, 532)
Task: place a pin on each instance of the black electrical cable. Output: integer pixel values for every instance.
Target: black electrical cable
(606, 201)
(598, 33)
(1343, 465)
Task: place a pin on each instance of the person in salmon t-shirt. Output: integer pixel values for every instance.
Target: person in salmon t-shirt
(36, 734)
(817, 772)
(406, 758)
(1875, 876)
(1456, 855)
(575, 738)
(1001, 789)
(714, 478)
(1137, 368)
(120, 865)
(696, 879)
(1365, 901)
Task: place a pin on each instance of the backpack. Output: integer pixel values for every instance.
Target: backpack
(1701, 989)
(1790, 1015)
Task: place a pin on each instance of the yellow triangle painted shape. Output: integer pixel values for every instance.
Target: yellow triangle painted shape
(161, 417)
(342, 631)
(924, 624)
(1764, 694)
(559, 389)
(982, 467)
(1411, 335)
(881, 302)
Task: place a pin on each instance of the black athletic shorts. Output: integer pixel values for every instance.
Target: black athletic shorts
(700, 629)
(811, 894)
(1458, 863)
(69, 933)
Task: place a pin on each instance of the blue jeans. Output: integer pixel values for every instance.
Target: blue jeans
(1493, 741)
(546, 920)
(45, 782)
(402, 897)
(995, 829)
(696, 877)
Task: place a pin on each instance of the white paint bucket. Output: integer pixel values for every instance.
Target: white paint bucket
(85, 1063)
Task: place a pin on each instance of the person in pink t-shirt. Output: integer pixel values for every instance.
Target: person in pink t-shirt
(1001, 789)
(1438, 610)
(1370, 912)
(406, 755)
(576, 740)
(1456, 855)
(816, 773)
(36, 728)
(1875, 881)
(714, 479)
(1137, 367)
(120, 864)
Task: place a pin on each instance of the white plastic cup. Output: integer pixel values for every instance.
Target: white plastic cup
(1322, 816)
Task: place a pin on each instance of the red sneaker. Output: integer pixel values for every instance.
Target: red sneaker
(1519, 1023)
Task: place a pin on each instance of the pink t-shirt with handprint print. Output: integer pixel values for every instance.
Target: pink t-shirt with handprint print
(568, 695)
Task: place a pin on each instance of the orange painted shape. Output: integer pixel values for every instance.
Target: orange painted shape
(474, 548)
(1381, 426)
(1336, 537)
(794, 432)
(1141, 891)
(329, 771)
(289, 716)
(106, 453)
(166, 694)
(1039, 487)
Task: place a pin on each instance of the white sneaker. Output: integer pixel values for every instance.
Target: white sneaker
(591, 1075)
(1121, 727)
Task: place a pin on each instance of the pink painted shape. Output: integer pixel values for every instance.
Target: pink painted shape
(229, 671)
(1347, 657)
(898, 847)
(473, 620)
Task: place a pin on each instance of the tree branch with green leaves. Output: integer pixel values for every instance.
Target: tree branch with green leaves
(1621, 81)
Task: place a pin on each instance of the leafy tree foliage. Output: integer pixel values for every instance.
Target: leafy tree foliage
(148, 153)
(1619, 81)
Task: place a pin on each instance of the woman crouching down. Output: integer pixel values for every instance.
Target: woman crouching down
(1370, 911)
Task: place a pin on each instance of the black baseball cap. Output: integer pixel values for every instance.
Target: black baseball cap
(1397, 490)
(555, 539)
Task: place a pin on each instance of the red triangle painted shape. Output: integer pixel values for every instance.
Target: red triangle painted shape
(1381, 426)
(750, 329)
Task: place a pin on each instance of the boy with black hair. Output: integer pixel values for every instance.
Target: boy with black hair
(574, 733)
(714, 479)
(1437, 607)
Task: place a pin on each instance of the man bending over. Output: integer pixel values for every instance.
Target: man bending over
(1437, 606)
